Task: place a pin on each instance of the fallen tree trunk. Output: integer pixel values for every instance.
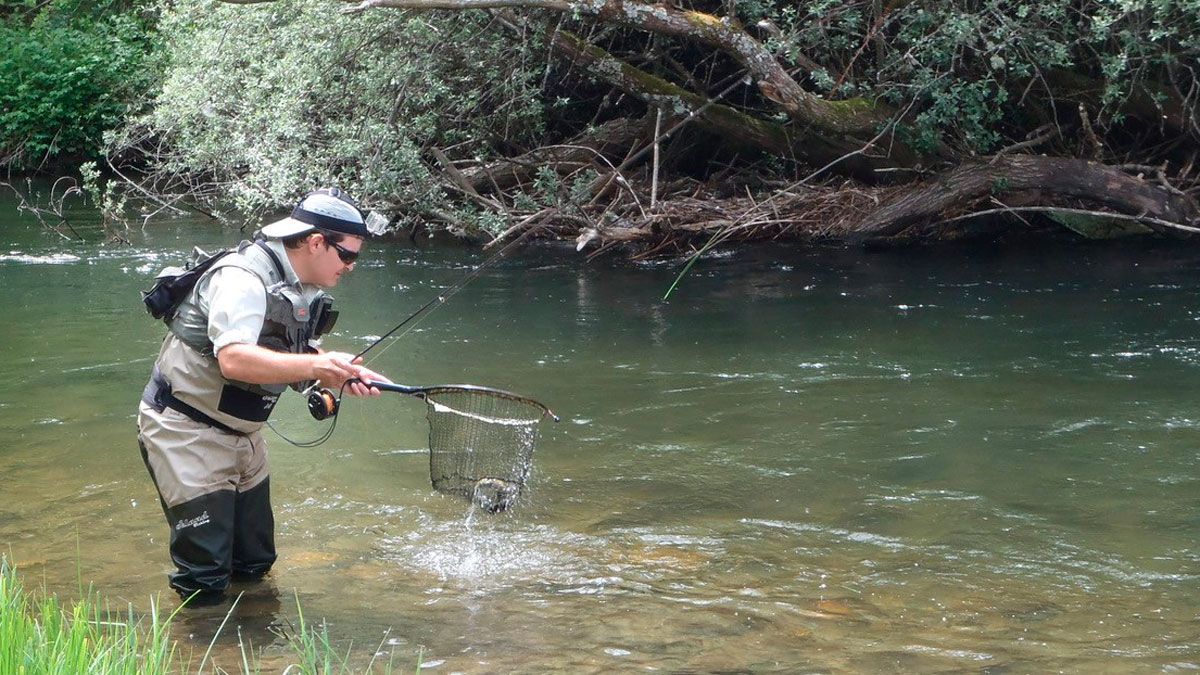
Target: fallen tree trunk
(1032, 179)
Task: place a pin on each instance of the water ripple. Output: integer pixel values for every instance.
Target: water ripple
(51, 259)
(858, 537)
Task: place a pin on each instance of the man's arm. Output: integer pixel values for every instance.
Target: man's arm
(258, 365)
(237, 303)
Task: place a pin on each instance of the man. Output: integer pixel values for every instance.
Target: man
(243, 334)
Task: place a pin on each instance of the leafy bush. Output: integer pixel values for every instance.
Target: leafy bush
(269, 101)
(976, 70)
(66, 76)
(263, 101)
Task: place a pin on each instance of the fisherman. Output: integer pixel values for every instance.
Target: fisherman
(246, 331)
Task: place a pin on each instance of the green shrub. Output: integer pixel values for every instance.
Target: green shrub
(65, 77)
(267, 101)
(982, 73)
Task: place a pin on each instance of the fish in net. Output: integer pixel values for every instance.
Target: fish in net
(481, 444)
(481, 441)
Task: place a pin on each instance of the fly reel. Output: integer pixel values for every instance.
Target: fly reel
(322, 404)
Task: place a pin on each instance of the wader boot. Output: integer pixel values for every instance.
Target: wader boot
(216, 494)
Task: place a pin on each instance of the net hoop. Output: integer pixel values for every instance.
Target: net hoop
(505, 421)
(428, 392)
(481, 441)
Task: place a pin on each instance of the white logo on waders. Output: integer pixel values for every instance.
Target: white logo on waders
(199, 520)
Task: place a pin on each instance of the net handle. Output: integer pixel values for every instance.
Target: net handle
(425, 392)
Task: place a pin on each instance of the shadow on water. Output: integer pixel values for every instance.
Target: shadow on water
(819, 460)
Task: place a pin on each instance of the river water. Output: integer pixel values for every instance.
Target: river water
(805, 460)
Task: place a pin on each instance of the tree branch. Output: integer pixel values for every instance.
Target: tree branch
(722, 120)
(853, 116)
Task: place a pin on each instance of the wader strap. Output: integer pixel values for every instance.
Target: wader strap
(158, 396)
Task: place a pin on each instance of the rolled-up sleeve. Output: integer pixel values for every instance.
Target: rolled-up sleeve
(237, 306)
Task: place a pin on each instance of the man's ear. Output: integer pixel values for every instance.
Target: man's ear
(315, 241)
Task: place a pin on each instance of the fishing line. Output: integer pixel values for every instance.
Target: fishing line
(324, 435)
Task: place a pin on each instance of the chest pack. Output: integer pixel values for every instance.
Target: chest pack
(172, 285)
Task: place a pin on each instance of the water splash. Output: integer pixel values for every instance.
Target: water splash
(487, 552)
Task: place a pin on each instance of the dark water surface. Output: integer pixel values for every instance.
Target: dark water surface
(823, 461)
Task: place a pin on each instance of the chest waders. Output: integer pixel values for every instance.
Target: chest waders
(200, 436)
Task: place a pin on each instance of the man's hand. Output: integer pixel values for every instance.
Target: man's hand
(334, 368)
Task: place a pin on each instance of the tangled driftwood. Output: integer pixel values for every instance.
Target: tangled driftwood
(687, 213)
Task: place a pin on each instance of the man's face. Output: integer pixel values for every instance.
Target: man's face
(328, 259)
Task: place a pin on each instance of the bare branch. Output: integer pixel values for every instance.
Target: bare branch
(1036, 137)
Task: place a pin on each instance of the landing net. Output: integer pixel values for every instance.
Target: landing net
(481, 443)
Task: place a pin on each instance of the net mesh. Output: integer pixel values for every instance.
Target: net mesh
(481, 444)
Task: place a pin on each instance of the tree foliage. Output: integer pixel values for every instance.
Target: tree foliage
(69, 70)
(421, 104)
(975, 75)
(261, 103)
(986, 73)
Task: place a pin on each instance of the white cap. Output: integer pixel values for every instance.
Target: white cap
(326, 209)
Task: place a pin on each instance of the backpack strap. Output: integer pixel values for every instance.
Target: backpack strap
(261, 243)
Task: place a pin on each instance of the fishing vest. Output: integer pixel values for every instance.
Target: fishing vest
(187, 376)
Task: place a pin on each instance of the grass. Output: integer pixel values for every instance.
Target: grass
(41, 634)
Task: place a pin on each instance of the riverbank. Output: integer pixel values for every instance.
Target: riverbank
(43, 633)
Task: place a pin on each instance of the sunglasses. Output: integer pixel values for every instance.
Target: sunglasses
(344, 254)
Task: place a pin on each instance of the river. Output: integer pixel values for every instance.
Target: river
(806, 460)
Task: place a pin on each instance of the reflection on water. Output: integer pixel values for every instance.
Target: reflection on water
(805, 461)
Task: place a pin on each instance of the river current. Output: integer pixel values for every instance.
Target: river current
(804, 461)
